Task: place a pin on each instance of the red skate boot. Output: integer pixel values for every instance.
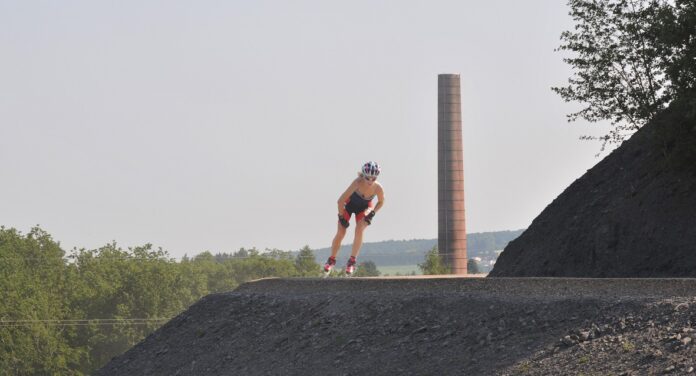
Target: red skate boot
(350, 267)
(329, 266)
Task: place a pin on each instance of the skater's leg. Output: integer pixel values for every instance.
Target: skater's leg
(336, 244)
(357, 242)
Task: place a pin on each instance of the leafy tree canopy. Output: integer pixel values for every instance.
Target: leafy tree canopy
(433, 263)
(630, 58)
(367, 269)
(472, 266)
(70, 315)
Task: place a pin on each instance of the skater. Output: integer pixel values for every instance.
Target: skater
(357, 199)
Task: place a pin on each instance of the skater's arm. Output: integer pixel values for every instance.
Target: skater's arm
(380, 198)
(342, 200)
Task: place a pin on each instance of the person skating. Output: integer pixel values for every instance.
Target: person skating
(357, 199)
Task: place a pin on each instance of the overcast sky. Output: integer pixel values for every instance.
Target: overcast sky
(214, 125)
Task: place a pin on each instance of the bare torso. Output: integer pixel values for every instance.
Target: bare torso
(367, 190)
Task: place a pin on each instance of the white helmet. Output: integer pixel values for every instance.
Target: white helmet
(370, 169)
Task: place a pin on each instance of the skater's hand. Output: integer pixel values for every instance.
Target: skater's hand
(343, 221)
(369, 216)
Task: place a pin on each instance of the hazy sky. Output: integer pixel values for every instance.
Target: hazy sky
(214, 125)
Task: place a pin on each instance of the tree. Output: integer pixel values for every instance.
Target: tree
(433, 263)
(306, 264)
(70, 318)
(367, 269)
(109, 283)
(32, 291)
(677, 32)
(472, 266)
(632, 58)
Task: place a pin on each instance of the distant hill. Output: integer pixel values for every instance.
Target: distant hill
(411, 252)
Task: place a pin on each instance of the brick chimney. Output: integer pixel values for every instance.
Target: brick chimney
(451, 239)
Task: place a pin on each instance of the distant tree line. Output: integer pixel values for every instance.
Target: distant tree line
(435, 264)
(412, 252)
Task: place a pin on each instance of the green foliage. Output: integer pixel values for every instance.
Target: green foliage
(117, 284)
(69, 316)
(306, 264)
(627, 346)
(411, 252)
(631, 58)
(367, 269)
(32, 288)
(524, 367)
(676, 135)
(472, 267)
(433, 263)
(677, 33)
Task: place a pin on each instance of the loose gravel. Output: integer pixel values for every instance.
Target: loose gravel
(454, 326)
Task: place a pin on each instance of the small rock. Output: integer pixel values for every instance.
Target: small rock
(568, 341)
(669, 369)
(596, 331)
(682, 307)
(686, 341)
(690, 369)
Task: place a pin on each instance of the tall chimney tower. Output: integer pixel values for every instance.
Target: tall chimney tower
(451, 239)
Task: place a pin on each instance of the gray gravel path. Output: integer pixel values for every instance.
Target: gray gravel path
(451, 326)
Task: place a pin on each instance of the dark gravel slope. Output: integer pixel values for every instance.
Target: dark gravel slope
(425, 326)
(632, 215)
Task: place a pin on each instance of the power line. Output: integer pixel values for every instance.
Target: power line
(75, 324)
(192, 259)
(80, 322)
(92, 259)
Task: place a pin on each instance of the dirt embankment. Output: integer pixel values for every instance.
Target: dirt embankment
(491, 326)
(632, 215)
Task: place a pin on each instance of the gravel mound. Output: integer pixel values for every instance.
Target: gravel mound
(658, 339)
(632, 215)
(485, 326)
